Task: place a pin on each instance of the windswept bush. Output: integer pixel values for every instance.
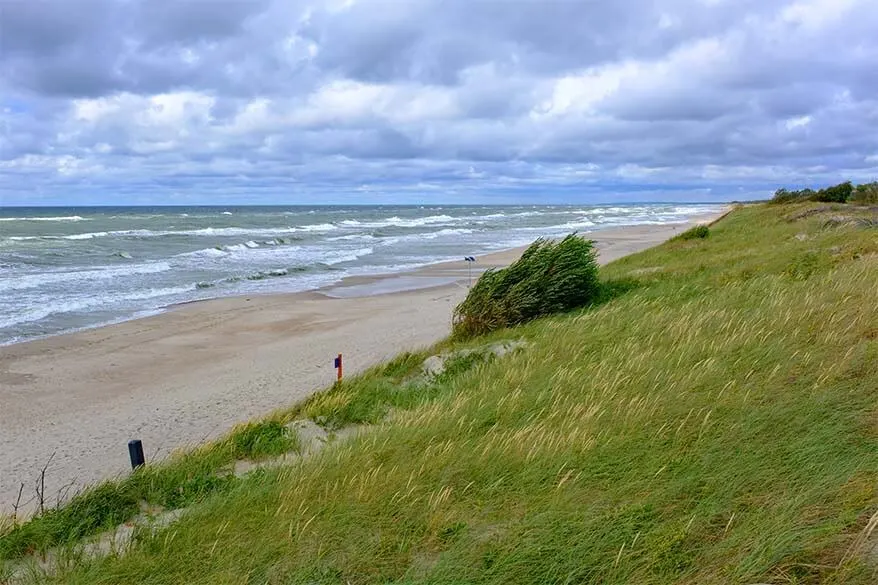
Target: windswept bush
(698, 232)
(550, 277)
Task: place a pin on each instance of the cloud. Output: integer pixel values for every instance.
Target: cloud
(119, 101)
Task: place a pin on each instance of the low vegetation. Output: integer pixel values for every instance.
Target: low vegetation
(183, 480)
(550, 277)
(842, 193)
(698, 232)
(866, 194)
(188, 478)
(716, 423)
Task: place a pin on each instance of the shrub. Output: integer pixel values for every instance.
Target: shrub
(785, 196)
(864, 194)
(550, 277)
(837, 194)
(699, 232)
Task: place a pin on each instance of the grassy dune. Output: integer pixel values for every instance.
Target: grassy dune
(716, 423)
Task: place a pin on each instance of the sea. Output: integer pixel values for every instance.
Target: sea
(67, 269)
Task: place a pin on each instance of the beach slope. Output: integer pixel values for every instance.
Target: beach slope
(188, 375)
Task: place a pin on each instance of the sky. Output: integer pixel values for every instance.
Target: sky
(137, 102)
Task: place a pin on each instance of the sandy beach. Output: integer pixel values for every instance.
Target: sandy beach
(189, 374)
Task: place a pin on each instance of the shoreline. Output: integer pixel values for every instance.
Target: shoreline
(188, 374)
(147, 313)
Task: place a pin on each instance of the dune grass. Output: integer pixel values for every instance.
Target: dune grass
(717, 423)
(550, 277)
(693, 233)
(188, 477)
(180, 481)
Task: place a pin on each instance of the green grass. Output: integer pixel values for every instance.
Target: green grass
(181, 481)
(694, 233)
(866, 194)
(368, 398)
(716, 423)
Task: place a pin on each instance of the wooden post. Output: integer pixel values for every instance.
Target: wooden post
(135, 451)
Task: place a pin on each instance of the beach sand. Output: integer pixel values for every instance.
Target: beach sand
(188, 375)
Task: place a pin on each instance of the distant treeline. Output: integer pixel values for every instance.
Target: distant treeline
(841, 193)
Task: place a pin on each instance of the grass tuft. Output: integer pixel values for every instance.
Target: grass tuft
(698, 232)
(262, 439)
(550, 277)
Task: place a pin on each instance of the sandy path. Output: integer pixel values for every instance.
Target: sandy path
(189, 374)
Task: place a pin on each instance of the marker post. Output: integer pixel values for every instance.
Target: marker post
(338, 366)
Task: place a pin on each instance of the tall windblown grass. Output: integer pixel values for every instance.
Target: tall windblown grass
(716, 424)
(550, 277)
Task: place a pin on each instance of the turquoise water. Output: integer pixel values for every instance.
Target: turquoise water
(63, 269)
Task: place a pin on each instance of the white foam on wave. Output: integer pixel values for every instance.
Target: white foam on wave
(87, 236)
(429, 220)
(320, 227)
(206, 252)
(419, 221)
(209, 231)
(576, 224)
(34, 280)
(426, 236)
(353, 238)
(397, 221)
(260, 256)
(346, 256)
(42, 310)
(37, 218)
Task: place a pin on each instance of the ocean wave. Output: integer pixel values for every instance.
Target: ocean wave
(576, 224)
(353, 238)
(249, 245)
(219, 251)
(320, 227)
(38, 218)
(436, 220)
(260, 256)
(51, 307)
(26, 281)
(397, 221)
(316, 262)
(215, 252)
(346, 256)
(88, 236)
(389, 241)
(209, 231)
(419, 221)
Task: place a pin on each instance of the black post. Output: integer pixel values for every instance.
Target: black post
(135, 451)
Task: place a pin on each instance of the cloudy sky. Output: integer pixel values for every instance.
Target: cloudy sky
(287, 101)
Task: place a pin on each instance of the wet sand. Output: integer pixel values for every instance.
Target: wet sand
(188, 375)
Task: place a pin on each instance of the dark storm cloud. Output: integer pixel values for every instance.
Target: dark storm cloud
(366, 98)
